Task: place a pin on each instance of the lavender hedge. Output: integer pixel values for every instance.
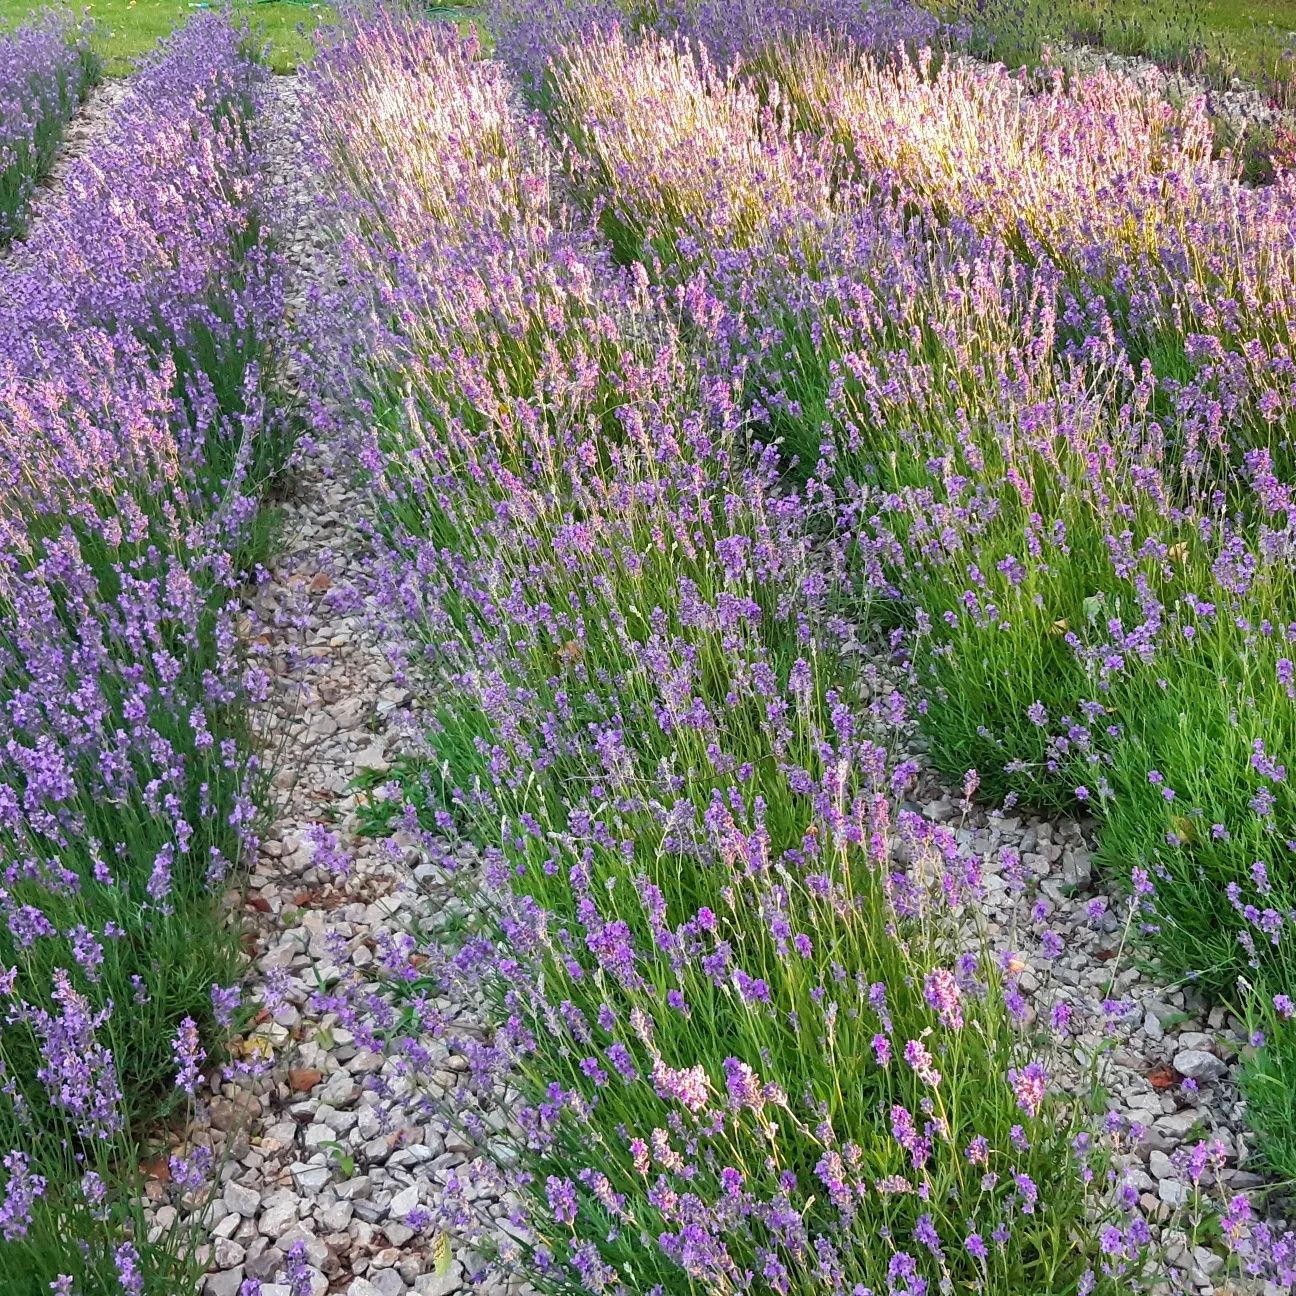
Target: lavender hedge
(1040, 344)
(751, 1036)
(136, 428)
(46, 68)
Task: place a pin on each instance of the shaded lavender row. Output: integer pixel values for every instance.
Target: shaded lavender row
(46, 67)
(527, 33)
(136, 429)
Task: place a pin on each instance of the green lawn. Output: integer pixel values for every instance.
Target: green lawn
(1216, 39)
(129, 28)
(1261, 32)
(1253, 32)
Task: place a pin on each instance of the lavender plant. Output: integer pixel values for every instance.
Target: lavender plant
(136, 427)
(46, 69)
(759, 1042)
(636, 119)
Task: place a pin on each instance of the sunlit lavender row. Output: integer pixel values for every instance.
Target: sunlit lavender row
(711, 450)
(46, 68)
(135, 432)
(1039, 344)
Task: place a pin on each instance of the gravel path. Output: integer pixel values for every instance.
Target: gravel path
(325, 1151)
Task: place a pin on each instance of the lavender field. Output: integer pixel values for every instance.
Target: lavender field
(644, 649)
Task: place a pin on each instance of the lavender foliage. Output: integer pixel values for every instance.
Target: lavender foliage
(46, 69)
(136, 427)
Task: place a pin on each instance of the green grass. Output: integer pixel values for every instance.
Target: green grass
(1214, 39)
(130, 28)
(1252, 30)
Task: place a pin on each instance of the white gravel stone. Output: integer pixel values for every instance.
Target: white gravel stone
(276, 1220)
(227, 1254)
(389, 1282)
(242, 1200)
(336, 1216)
(1161, 1166)
(1197, 1064)
(445, 1284)
(310, 1179)
(224, 1283)
(405, 1201)
(1178, 1124)
(356, 1189)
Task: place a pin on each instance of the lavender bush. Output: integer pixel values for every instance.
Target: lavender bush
(135, 430)
(46, 68)
(1061, 434)
(759, 1042)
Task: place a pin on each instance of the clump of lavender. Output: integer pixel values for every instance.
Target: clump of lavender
(675, 153)
(1052, 164)
(743, 1052)
(744, 31)
(136, 426)
(46, 69)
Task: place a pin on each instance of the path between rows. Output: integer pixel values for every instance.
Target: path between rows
(322, 1154)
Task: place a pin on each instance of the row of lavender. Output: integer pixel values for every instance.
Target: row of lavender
(135, 434)
(1041, 346)
(749, 1035)
(46, 69)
